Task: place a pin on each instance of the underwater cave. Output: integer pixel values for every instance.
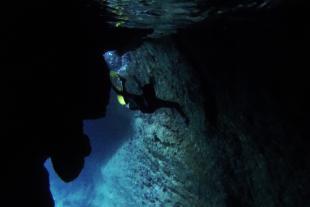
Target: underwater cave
(173, 103)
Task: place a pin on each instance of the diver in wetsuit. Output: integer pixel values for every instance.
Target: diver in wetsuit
(147, 102)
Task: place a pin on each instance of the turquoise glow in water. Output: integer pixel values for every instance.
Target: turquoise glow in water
(106, 136)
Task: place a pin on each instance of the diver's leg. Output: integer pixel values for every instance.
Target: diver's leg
(123, 80)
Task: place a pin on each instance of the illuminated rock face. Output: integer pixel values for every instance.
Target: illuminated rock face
(245, 144)
(162, 165)
(246, 141)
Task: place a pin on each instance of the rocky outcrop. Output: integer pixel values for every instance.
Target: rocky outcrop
(163, 164)
(246, 142)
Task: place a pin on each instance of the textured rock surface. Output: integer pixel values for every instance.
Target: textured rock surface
(246, 144)
(248, 153)
(163, 164)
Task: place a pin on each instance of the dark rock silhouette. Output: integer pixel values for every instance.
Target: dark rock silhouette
(247, 140)
(53, 78)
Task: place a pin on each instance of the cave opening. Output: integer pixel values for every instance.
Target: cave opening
(220, 94)
(228, 79)
(106, 136)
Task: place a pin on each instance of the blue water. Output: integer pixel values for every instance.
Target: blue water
(106, 135)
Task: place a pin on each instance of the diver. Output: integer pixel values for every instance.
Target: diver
(147, 102)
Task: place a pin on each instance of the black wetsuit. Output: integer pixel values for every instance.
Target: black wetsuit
(147, 102)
